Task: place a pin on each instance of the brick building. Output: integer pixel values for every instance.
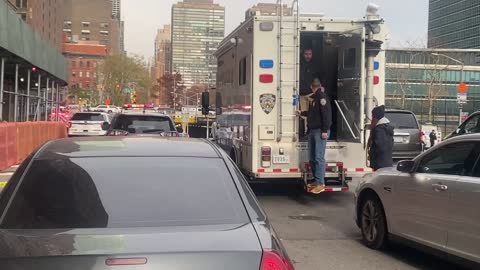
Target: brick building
(44, 16)
(84, 59)
(92, 20)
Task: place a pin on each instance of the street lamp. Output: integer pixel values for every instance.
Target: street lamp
(454, 60)
(461, 77)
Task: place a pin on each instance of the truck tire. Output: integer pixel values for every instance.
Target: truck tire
(373, 223)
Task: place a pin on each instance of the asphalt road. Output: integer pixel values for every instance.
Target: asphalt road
(318, 232)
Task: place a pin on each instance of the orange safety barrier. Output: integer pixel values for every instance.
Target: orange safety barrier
(3, 146)
(11, 143)
(18, 140)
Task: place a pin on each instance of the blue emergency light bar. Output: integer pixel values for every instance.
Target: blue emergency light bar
(376, 65)
(266, 63)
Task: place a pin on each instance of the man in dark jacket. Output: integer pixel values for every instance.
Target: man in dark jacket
(308, 72)
(433, 138)
(381, 140)
(319, 123)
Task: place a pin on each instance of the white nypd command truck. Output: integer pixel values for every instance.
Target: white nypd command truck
(257, 95)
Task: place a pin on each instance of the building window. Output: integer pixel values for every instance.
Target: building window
(74, 74)
(80, 74)
(85, 24)
(104, 33)
(242, 77)
(88, 64)
(81, 64)
(104, 25)
(74, 64)
(87, 74)
(85, 32)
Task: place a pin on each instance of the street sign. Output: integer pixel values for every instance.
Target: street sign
(462, 98)
(462, 88)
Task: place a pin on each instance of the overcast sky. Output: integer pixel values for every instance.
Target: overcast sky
(406, 19)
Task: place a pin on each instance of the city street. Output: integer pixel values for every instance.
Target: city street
(319, 233)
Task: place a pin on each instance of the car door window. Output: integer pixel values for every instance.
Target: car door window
(452, 159)
(471, 126)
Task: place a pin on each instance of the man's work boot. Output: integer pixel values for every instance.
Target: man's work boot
(318, 189)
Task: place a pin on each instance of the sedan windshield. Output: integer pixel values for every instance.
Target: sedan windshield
(141, 124)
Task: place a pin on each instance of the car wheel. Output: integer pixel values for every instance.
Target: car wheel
(373, 223)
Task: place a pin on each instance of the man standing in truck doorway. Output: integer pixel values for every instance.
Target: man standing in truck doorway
(308, 72)
(319, 123)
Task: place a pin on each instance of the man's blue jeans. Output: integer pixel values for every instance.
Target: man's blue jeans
(317, 147)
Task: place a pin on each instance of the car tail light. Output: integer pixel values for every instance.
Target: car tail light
(266, 156)
(272, 260)
(126, 261)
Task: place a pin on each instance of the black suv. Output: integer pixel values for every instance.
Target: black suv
(141, 123)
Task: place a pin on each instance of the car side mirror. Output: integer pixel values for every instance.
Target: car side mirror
(105, 126)
(406, 166)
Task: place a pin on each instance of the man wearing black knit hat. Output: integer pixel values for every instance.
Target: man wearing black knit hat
(381, 140)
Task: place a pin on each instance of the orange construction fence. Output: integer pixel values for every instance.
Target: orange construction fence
(18, 140)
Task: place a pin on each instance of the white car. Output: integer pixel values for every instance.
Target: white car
(431, 202)
(106, 109)
(89, 124)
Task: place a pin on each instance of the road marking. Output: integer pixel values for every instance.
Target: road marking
(15, 166)
(6, 174)
(3, 184)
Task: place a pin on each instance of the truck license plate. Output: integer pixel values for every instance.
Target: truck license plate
(281, 159)
(398, 139)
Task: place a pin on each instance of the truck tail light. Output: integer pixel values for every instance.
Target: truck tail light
(272, 260)
(266, 78)
(266, 156)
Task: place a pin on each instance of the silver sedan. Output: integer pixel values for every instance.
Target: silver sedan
(432, 201)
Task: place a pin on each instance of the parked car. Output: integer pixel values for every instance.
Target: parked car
(141, 123)
(89, 124)
(106, 109)
(469, 126)
(407, 139)
(431, 201)
(134, 203)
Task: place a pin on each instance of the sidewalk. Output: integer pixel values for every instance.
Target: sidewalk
(6, 174)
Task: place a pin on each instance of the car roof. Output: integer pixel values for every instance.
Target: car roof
(151, 146)
(397, 111)
(467, 137)
(142, 113)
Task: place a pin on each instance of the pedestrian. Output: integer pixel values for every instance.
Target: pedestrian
(381, 140)
(319, 123)
(308, 72)
(433, 138)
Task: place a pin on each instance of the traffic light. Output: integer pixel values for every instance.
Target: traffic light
(134, 97)
(205, 103)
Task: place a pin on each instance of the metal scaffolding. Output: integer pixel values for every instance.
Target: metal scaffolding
(28, 93)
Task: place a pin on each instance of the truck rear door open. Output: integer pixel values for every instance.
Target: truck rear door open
(351, 86)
